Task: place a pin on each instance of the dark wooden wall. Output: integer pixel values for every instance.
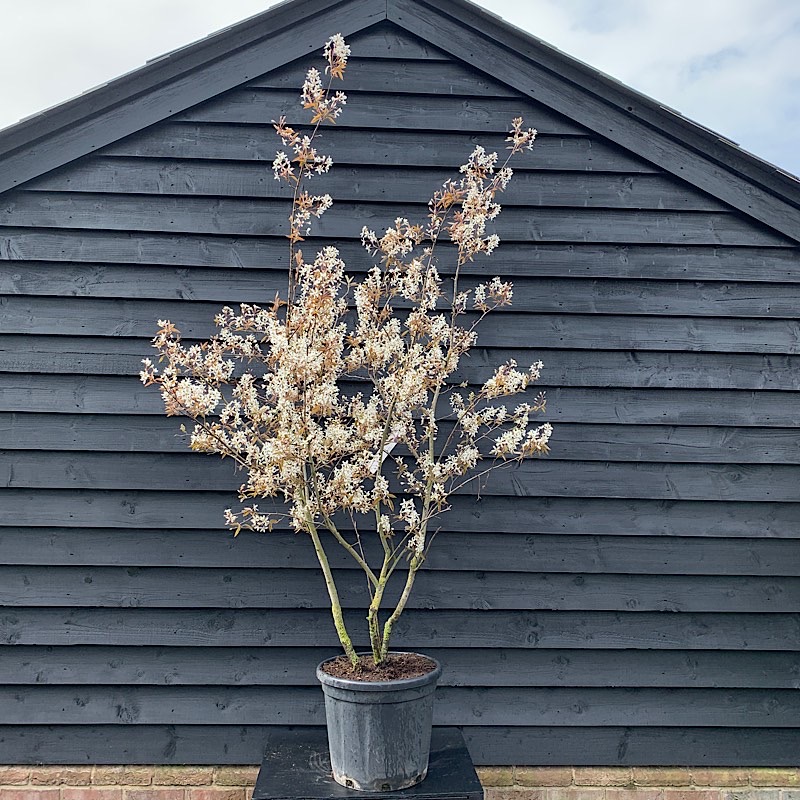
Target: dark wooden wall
(631, 599)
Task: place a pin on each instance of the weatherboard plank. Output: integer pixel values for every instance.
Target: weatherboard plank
(167, 587)
(243, 705)
(139, 509)
(69, 355)
(267, 217)
(756, 264)
(454, 551)
(379, 110)
(375, 184)
(573, 441)
(383, 74)
(514, 329)
(415, 629)
(489, 745)
(241, 142)
(96, 394)
(280, 666)
(533, 477)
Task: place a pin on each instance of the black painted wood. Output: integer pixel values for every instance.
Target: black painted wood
(477, 550)
(166, 587)
(545, 745)
(241, 216)
(416, 629)
(141, 509)
(615, 621)
(191, 472)
(81, 665)
(377, 184)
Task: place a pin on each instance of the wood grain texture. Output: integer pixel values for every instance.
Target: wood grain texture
(416, 629)
(218, 141)
(488, 745)
(98, 394)
(166, 587)
(752, 708)
(660, 262)
(247, 217)
(479, 550)
(213, 178)
(295, 666)
(193, 472)
(140, 509)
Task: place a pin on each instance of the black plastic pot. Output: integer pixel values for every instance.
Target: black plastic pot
(379, 732)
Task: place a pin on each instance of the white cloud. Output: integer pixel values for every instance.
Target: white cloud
(730, 65)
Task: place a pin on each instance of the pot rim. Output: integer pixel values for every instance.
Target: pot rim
(380, 686)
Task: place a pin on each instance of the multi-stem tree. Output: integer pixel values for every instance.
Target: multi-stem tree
(267, 390)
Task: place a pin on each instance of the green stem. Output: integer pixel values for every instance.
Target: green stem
(415, 564)
(336, 606)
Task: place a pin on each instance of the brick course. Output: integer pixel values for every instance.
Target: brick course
(502, 783)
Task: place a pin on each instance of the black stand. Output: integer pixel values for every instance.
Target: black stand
(296, 766)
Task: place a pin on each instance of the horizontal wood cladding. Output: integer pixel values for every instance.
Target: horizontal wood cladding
(99, 248)
(142, 509)
(749, 708)
(131, 318)
(82, 665)
(394, 111)
(419, 629)
(282, 588)
(531, 295)
(201, 141)
(414, 76)
(603, 554)
(100, 394)
(248, 217)
(531, 478)
(376, 184)
(491, 745)
(574, 441)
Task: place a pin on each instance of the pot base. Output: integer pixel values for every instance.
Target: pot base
(379, 785)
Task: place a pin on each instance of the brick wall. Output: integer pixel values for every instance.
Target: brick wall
(502, 783)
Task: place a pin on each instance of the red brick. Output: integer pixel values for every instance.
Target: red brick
(514, 793)
(30, 793)
(122, 776)
(215, 793)
(11, 775)
(661, 776)
(153, 793)
(576, 793)
(775, 777)
(496, 776)
(603, 776)
(90, 793)
(183, 776)
(543, 776)
(634, 793)
(235, 776)
(692, 794)
(719, 776)
(56, 776)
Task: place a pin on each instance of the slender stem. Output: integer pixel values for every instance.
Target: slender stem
(415, 564)
(336, 606)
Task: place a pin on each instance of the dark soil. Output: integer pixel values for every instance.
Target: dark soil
(395, 667)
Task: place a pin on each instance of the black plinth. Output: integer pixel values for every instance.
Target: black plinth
(296, 766)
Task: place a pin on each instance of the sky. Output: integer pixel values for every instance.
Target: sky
(731, 65)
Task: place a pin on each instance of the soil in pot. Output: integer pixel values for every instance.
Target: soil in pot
(396, 666)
